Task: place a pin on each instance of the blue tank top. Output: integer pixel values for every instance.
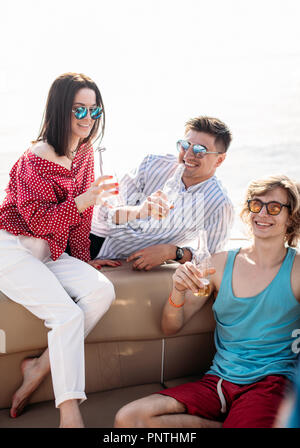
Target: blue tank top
(253, 335)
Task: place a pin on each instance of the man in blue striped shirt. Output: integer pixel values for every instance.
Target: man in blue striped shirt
(137, 231)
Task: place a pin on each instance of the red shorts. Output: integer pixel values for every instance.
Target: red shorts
(244, 406)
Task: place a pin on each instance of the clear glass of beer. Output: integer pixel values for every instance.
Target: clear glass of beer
(202, 261)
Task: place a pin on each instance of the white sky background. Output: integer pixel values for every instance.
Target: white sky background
(157, 63)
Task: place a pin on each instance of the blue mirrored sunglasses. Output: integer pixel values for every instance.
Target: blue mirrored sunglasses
(80, 112)
(198, 150)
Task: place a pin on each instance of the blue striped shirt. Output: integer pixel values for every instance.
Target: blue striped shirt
(201, 206)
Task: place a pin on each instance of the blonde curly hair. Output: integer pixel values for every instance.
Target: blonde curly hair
(261, 186)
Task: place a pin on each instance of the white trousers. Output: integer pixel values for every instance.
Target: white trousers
(68, 294)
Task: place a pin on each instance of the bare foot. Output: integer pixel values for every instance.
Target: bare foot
(32, 378)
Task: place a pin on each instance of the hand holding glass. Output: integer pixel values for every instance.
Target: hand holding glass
(205, 272)
(202, 261)
(113, 201)
(107, 188)
(95, 194)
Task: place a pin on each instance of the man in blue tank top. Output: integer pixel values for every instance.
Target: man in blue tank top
(256, 308)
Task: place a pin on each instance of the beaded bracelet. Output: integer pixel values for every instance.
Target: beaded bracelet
(174, 304)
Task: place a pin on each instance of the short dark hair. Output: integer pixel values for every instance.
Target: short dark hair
(56, 124)
(212, 126)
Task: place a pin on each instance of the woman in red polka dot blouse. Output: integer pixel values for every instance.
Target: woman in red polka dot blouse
(49, 203)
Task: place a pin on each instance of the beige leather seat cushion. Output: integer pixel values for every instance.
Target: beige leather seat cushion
(135, 314)
(127, 355)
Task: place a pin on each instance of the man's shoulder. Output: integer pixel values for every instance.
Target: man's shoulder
(214, 180)
(149, 162)
(215, 191)
(162, 165)
(167, 159)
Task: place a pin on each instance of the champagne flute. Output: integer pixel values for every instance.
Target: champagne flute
(114, 200)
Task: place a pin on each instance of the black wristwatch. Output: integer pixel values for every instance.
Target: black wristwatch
(179, 253)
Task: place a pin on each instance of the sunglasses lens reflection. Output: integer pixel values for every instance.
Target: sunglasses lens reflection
(185, 145)
(182, 144)
(199, 151)
(274, 208)
(96, 113)
(80, 113)
(255, 206)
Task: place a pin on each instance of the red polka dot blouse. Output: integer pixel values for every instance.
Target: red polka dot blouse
(40, 202)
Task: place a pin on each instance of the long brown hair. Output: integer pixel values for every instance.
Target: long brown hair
(56, 124)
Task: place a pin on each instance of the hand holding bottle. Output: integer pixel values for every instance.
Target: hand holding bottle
(186, 277)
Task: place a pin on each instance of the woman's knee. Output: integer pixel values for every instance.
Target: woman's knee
(107, 291)
(96, 304)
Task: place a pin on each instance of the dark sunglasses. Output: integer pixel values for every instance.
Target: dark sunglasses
(80, 112)
(198, 150)
(272, 207)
